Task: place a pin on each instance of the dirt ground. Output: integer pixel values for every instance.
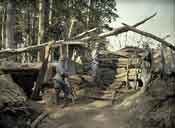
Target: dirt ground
(154, 108)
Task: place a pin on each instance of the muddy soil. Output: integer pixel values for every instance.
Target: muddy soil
(154, 108)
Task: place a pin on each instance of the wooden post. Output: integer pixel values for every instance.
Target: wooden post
(162, 60)
(127, 75)
(113, 96)
(61, 51)
(41, 75)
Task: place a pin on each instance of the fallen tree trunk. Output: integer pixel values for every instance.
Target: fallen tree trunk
(8, 52)
(116, 31)
(162, 41)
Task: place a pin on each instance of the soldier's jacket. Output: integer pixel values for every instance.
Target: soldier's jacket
(60, 71)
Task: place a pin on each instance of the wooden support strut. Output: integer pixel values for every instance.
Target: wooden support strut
(42, 72)
(127, 75)
(116, 31)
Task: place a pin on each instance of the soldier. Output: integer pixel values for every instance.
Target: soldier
(59, 81)
(146, 67)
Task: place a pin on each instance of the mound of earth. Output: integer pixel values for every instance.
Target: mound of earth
(154, 108)
(14, 112)
(10, 93)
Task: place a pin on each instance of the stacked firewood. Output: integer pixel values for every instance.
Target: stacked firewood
(120, 67)
(107, 65)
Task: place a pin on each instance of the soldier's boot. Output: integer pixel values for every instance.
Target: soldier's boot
(57, 96)
(65, 102)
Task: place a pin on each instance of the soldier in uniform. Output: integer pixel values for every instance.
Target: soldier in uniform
(59, 81)
(146, 67)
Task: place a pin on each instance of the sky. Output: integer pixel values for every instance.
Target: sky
(132, 11)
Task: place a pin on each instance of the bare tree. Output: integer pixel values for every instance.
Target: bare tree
(41, 24)
(10, 24)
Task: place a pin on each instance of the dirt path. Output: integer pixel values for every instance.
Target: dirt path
(151, 109)
(97, 114)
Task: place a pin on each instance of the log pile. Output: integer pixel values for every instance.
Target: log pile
(120, 67)
(163, 60)
(106, 72)
(125, 65)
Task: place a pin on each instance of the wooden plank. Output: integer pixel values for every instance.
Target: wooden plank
(131, 70)
(123, 76)
(127, 75)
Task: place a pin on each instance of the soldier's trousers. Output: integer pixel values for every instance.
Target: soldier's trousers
(60, 85)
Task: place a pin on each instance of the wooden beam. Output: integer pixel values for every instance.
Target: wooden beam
(161, 40)
(8, 52)
(84, 33)
(40, 78)
(116, 31)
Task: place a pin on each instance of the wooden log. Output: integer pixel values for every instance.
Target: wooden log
(100, 98)
(162, 41)
(124, 76)
(116, 31)
(113, 31)
(127, 76)
(41, 76)
(84, 33)
(8, 52)
(131, 70)
(113, 96)
(39, 119)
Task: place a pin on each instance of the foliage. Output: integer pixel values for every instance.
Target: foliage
(88, 14)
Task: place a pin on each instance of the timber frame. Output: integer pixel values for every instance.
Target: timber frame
(80, 39)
